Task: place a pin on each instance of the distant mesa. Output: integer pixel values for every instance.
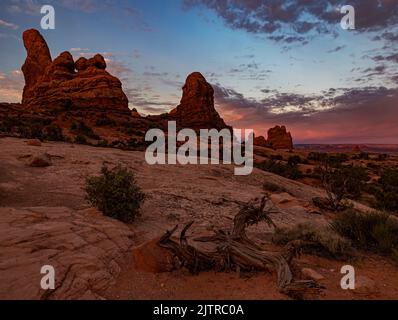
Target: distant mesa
(84, 84)
(278, 138)
(196, 109)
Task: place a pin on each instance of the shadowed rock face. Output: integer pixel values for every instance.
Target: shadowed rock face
(196, 109)
(260, 141)
(279, 138)
(62, 83)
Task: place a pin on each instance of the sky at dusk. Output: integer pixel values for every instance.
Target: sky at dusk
(270, 62)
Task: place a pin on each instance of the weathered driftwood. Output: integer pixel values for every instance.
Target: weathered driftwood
(235, 251)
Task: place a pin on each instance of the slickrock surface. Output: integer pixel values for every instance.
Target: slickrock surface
(86, 250)
(45, 219)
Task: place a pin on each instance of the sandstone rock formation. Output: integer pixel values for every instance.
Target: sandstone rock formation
(196, 109)
(279, 138)
(260, 141)
(135, 114)
(62, 83)
(37, 60)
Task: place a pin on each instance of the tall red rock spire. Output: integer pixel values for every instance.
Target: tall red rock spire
(196, 109)
(37, 60)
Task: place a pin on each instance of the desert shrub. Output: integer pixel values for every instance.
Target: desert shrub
(30, 128)
(133, 143)
(87, 131)
(316, 156)
(102, 144)
(80, 139)
(276, 157)
(273, 187)
(31, 131)
(373, 231)
(83, 129)
(340, 184)
(53, 133)
(7, 124)
(382, 157)
(115, 193)
(356, 178)
(281, 169)
(333, 160)
(294, 160)
(386, 191)
(363, 156)
(325, 241)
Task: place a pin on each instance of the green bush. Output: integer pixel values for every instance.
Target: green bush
(373, 231)
(325, 241)
(281, 169)
(102, 144)
(31, 128)
(294, 160)
(382, 157)
(354, 178)
(317, 156)
(115, 193)
(364, 156)
(276, 157)
(340, 183)
(53, 133)
(80, 139)
(31, 131)
(333, 160)
(83, 129)
(386, 191)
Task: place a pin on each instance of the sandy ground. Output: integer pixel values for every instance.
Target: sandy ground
(209, 195)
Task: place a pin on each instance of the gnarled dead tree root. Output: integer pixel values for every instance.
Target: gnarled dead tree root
(235, 251)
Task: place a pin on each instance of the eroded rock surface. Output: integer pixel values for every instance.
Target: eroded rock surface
(86, 250)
